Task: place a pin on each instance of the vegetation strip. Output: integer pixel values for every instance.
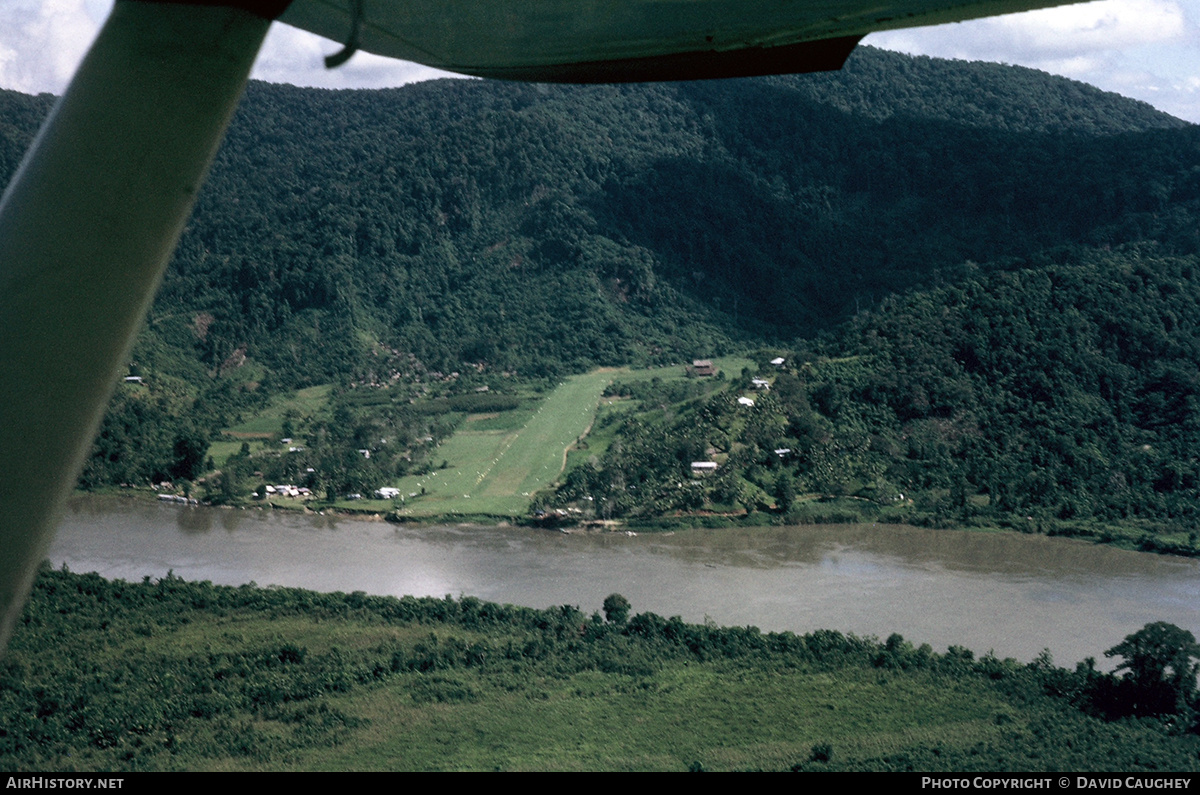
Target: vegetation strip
(172, 675)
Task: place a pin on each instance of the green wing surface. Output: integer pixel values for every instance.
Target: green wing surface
(594, 41)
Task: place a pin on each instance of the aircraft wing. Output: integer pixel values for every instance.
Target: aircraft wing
(600, 41)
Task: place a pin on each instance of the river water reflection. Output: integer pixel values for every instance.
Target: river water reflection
(1009, 593)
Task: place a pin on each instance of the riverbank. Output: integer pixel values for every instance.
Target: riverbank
(982, 590)
(1138, 535)
(174, 675)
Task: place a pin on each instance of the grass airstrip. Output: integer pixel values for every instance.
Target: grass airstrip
(497, 462)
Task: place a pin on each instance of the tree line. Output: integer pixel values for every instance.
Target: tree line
(139, 690)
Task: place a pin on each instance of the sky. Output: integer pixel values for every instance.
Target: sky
(1145, 49)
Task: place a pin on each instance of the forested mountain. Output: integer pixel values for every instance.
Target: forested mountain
(533, 226)
(1063, 388)
(544, 229)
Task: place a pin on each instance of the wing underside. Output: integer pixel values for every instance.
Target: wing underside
(608, 41)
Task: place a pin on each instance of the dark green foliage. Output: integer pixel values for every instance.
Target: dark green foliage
(785, 491)
(1046, 395)
(110, 675)
(981, 95)
(616, 608)
(157, 432)
(365, 237)
(467, 403)
(1161, 677)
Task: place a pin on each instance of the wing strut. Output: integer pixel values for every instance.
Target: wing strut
(87, 225)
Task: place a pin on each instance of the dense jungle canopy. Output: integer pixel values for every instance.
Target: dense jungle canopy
(991, 271)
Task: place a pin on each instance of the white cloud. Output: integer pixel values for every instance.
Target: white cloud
(293, 56)
(1111, 24)
(44, 40)
(1051, 33)
(1180, 99)
(1141, 48)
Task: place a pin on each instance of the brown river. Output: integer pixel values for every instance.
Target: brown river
(1012, 594)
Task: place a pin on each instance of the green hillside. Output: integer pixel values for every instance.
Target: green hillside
(983, 283)
(1058, 395)
(408, 247)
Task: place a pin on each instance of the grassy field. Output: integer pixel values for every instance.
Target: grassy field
(727, 717)
(493, 464)
(262, 427)
(494, 468)
(731, 365)
(269, 421)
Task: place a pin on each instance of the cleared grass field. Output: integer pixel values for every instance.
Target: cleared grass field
(731, 365)
(495, 462)
(259, 430)
(497, 472)
(269, 421)
(729, 717)
(599, 440)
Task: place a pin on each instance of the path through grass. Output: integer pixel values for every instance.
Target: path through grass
(497, 472)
